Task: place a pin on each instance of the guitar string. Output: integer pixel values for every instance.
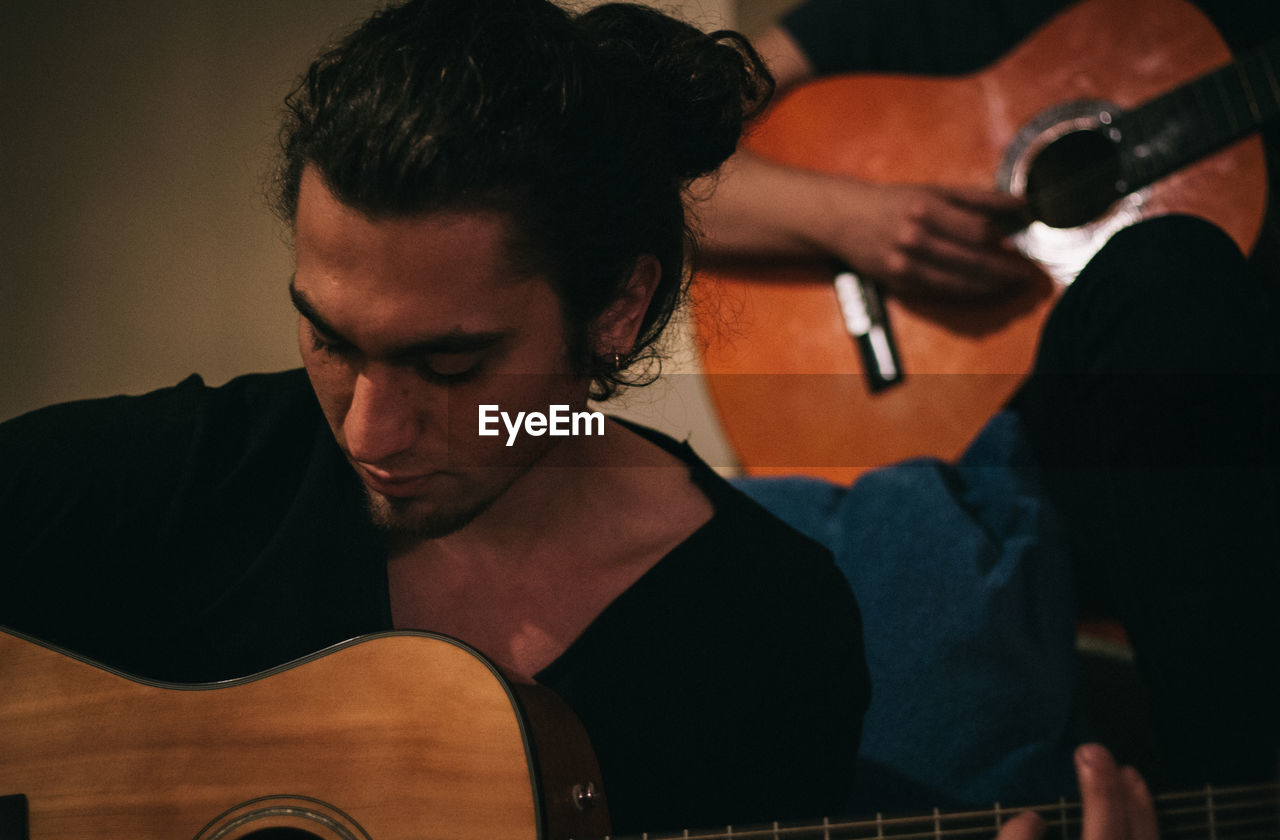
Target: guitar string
(1229, 830)
(1225, 799)
(1261, 827)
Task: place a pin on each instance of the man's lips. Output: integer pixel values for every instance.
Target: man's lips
(398, 485)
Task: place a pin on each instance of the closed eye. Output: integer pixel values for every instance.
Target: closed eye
(450, 368)
(320, 343)
(449, 358)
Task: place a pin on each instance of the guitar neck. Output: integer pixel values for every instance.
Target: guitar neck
(1247, 812)
(1199, 117)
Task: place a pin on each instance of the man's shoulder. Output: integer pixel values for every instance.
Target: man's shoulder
(248, 398)
(154, 442)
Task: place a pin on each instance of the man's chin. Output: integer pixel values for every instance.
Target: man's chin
(416, 518)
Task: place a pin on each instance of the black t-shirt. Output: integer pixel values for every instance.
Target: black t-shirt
(197, 533)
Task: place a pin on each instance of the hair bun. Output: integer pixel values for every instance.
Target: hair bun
(688, 93)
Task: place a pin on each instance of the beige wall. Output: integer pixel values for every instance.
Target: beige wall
(137, 243)
(753, 17)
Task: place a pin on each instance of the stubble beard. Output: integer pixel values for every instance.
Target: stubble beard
(408, 518)
(415, 519)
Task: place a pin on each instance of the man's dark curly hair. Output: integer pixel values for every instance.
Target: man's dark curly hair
(584, 130)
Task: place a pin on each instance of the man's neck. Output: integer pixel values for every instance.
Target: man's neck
(527, 576)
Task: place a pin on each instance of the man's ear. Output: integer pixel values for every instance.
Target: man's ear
(618, 326)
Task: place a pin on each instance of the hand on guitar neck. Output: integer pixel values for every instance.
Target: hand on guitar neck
(1116, 803)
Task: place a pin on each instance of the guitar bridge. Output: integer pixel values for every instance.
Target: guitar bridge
(867, 322)
(14, 818)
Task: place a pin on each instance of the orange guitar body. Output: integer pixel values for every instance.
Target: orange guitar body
(784, 374)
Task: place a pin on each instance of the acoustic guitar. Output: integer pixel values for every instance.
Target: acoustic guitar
(396, 736)
(1111, 112)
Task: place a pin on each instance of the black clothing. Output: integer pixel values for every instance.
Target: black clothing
(1153, 413)
(197, 533)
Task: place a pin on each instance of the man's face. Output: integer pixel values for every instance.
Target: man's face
(406, 325)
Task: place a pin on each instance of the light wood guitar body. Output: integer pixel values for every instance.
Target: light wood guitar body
(396, 736)
(404, 735)
(784, 373)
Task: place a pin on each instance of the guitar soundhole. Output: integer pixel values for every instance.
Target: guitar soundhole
(283, 818)
(1072, 181)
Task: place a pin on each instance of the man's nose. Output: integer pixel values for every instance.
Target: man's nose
(381, 421)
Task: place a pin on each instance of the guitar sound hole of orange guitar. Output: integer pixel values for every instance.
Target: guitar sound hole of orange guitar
(1073, 180)
(281, 833)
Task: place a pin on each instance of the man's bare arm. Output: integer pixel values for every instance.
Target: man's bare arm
(910, 237)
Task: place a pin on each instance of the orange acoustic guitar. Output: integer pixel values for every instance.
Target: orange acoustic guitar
(1113, 111)
(397, 736)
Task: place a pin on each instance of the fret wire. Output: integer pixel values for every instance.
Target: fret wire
(1210, 828)
(1046, 811)
(1143, 159)
(1241, 99)
(1224, 126)
(1182, 101)
(1230, 801)
(1228, 828)
(1225, 826)
(1129, 137)
(1257, 71)
(1184, 136)
(1203, 821)
(1062, 809)
(1198, 90)
(1271, 75)
(1197, 828)
(1162, 126)
(937, 824)
(1210, 132)
(1142, 151)
(1248, 92)
(1219, 806)
(1226, 102)
(1269, 788)
(983, 831)
(970, 830)
(1216, 130)
(954, 816)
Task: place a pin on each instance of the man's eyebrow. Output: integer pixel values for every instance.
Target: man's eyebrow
(306, 310)
(452, 342)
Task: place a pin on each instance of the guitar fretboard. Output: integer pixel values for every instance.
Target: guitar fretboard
(1199, 117)
(1247, 812)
